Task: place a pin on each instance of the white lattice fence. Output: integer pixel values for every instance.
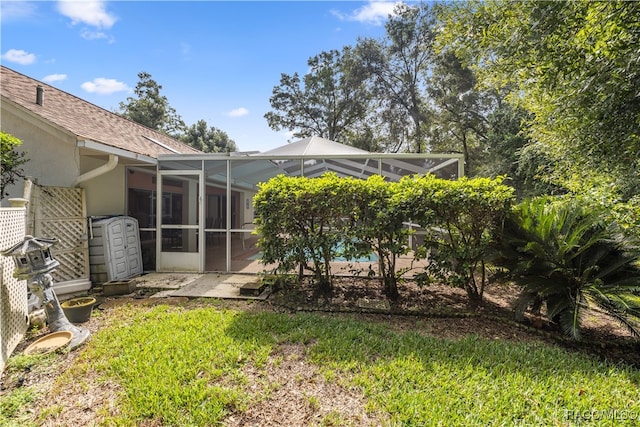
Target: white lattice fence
(60, 212)
(13, 292)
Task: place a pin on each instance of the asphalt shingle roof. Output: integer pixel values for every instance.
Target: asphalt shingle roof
(85, 120)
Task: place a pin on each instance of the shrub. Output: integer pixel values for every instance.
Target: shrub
(318, 219)
(379, 225)
(461, 218)
(11, 162)
(305, 223)
(567, 257)
(295, 219)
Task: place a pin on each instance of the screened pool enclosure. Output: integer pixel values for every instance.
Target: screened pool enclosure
(207, 217)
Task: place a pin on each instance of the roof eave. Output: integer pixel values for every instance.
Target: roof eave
(107, 149)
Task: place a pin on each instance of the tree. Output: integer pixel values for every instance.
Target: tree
(397, 68)
(328, 102)
(505, 139)
(208, 139)
(461, 110)
(11, 161)
(510, 153)
(151, 109)
(574, 66)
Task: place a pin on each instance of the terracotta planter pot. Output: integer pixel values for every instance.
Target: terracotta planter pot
(78, 310)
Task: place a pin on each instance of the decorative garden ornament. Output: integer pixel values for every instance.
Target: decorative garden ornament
(34, 263)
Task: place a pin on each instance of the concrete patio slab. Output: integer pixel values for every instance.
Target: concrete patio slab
(220, 286)
(165, 280)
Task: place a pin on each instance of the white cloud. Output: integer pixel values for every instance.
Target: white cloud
(238, 112)
(16, 10)
(89, 12)
(54, 78)
(95, 35)
(104, 86)
(19, 56)
(375, 12)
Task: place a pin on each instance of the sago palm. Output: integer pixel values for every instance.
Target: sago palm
(567, 257)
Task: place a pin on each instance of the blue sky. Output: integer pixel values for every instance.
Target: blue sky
(215, 60)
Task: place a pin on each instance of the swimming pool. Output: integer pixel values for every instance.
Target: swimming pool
(372, 257)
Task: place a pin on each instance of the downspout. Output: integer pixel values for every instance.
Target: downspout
(100, 170)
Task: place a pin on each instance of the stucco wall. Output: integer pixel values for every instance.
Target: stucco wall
(105, 194)
(53, 156)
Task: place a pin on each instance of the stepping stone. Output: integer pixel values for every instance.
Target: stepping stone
(252, 288)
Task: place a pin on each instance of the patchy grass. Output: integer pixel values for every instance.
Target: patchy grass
(12, 404)
(17, 400)
(209, 365)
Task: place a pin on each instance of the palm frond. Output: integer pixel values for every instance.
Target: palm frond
(563, 253)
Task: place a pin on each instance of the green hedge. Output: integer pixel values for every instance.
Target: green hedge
(305, 223)
(461, 219)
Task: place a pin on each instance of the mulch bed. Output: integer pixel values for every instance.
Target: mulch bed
(446, 312)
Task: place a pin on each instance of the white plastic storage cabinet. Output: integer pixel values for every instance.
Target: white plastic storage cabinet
(114, 249)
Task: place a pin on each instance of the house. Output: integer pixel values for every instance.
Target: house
(73, 143)
(85, 157)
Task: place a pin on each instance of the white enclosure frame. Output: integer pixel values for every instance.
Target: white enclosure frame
(265, 166)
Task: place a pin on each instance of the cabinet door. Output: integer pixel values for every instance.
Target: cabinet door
(134, 256)
(118, 264)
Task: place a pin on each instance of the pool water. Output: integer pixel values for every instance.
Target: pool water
(368, 258)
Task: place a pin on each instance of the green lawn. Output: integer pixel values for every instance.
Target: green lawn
(180, 367)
